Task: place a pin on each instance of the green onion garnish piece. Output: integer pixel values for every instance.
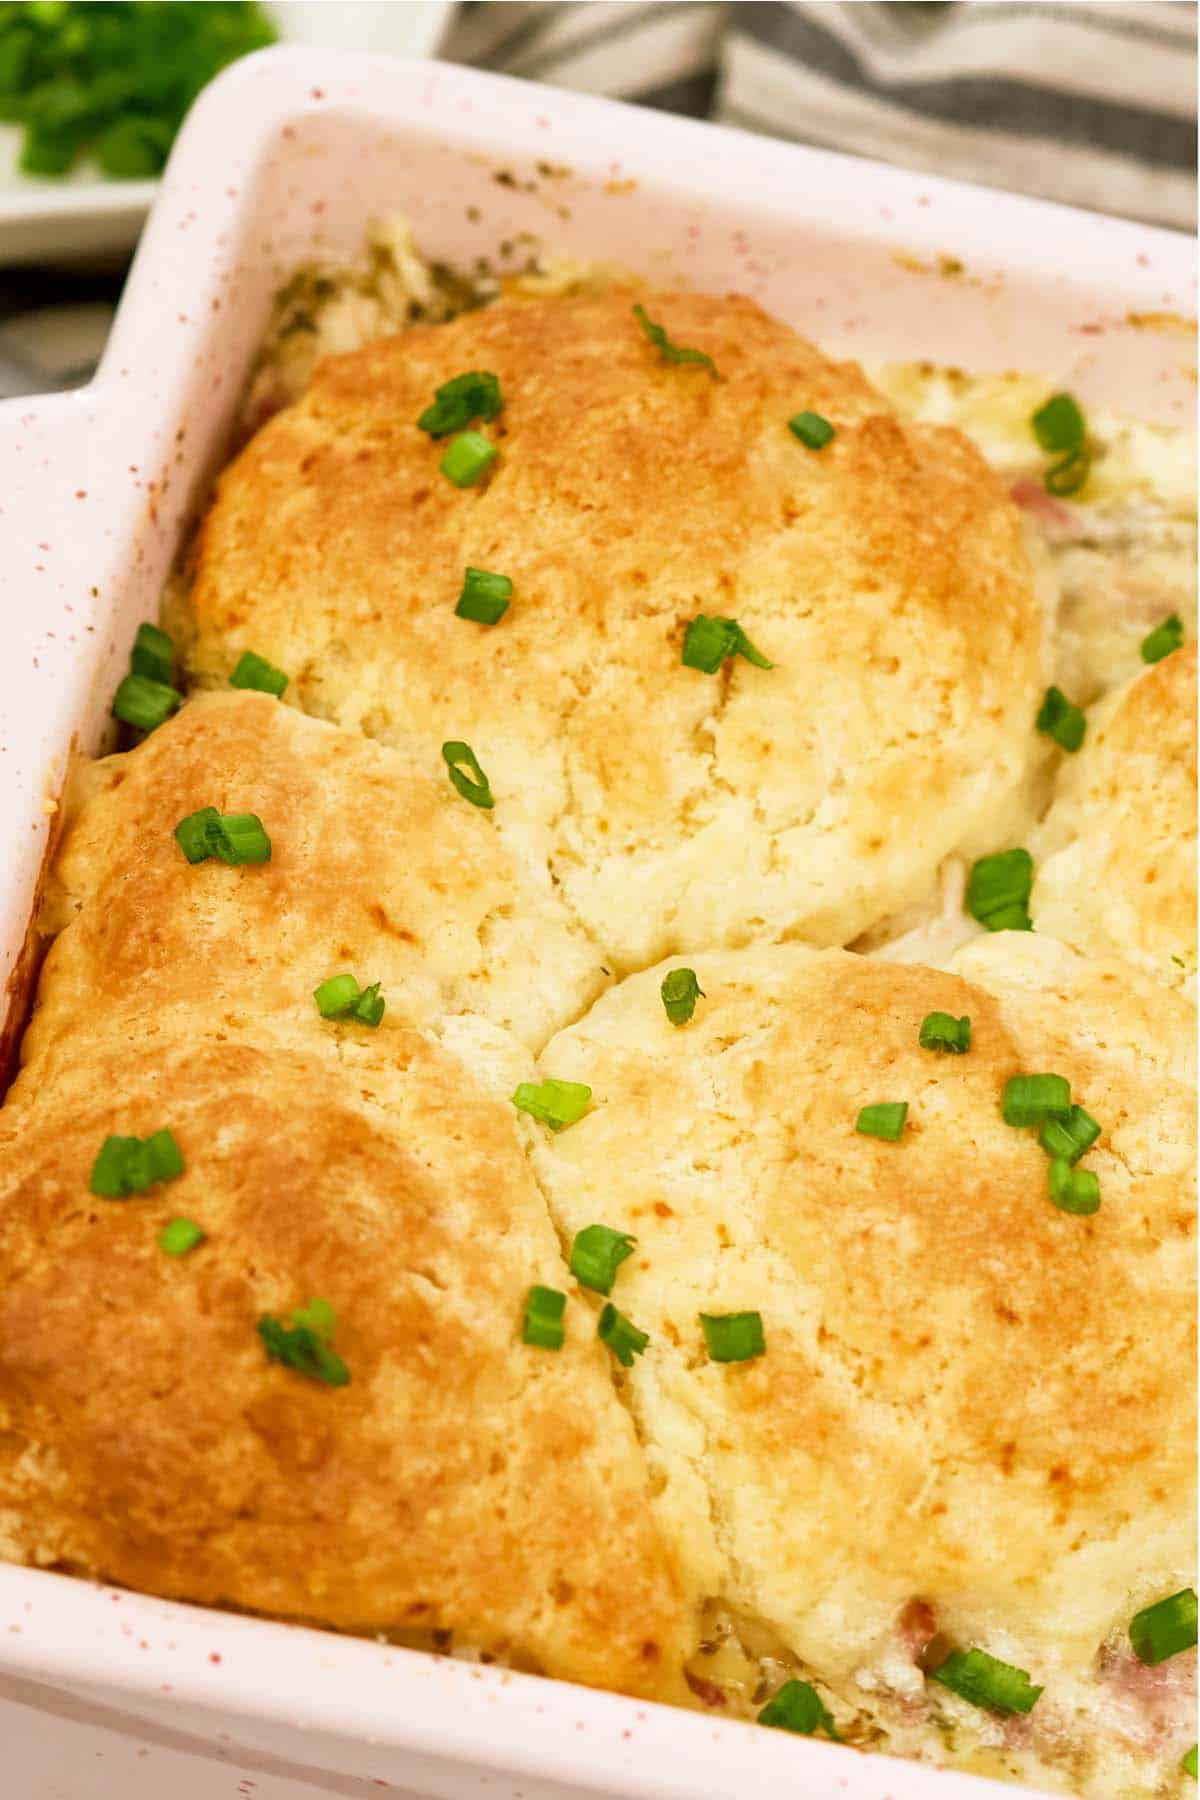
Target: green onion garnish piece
(1068, 1138)
(707, 643)
(191, 834)
(468, 457)
(233, 838)
(337, 997)
(319, 1316)
(680, 991)
(672, 353)
(1165, 1628)
(144, 703)
(1163, 639)
(484, 597)
(370, 1005)
(885, 1119)
(475, 395)
(942, 1031)
(813, 431)
(254, 671)
(1188, 1762)
(986, 1681)
(1061, 720)
(341, 998)
(1058, 425)
(998, 890)
(179, 1236)
(153, 655)
(240, 838)
(1073, 1190)
(597, 1253)
(304, 1345)
(130, 1165)
(798, 1707)
(474, 787)
(556, 1103)
(1032, 1099)
(621, 1335)
(543, 1321)
(733, 1337)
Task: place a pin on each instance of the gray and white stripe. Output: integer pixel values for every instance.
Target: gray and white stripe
(1087, 101)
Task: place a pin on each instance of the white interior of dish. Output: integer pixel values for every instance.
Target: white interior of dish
(287, 158)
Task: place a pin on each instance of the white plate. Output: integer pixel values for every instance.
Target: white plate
(86, 215)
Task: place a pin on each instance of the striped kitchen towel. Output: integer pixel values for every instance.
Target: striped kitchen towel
(1087, 101)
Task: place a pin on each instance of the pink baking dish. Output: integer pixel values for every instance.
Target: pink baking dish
(288, 155)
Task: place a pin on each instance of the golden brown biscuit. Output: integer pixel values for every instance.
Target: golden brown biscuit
(969, 1399)
(884, 576)
(378, 867)
(1117, 866)
(462, 1481)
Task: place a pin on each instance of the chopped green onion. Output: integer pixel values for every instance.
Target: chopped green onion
(813, 431)
(542, 1324)
(707, 642)
(1068, 1138)
(305, 1344)
(179, 1236)
(474, 787)
(672, 353)
(130, 1165)
(1163, 639)
(986, 1681)
(1061, 720)
(337, 996)
(1165, 1628)
(468, 457)
(885, 1119)
(942, 1031)
(233, 838)
(484, 597)
(1188, 1763)
(621, 1335)
(1058, 425)
(556, 1103)
(255, 671)
(733, 1337)
(153, 655)
(1062, 479)
(369, 1008)
(341, 998)
(144, 703)
(680, 990)
(998, 890)
(191, 834)
(240, 838)
(475, 395)
(798, 1707)
(597, 1253)
(1073, 1190)
(1032, 1099)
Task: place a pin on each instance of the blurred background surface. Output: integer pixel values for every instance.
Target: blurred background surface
(1091, 102)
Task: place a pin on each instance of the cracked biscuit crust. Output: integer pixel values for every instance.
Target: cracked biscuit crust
(462, 1481)
(884, 576)
(378, 867)
(967, 1395)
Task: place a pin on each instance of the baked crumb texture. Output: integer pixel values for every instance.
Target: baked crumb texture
(973, 1422)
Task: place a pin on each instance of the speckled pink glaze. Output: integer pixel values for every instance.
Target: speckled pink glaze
(286, 156)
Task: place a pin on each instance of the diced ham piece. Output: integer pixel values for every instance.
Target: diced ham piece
(705, 1690)
(1060, 522)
